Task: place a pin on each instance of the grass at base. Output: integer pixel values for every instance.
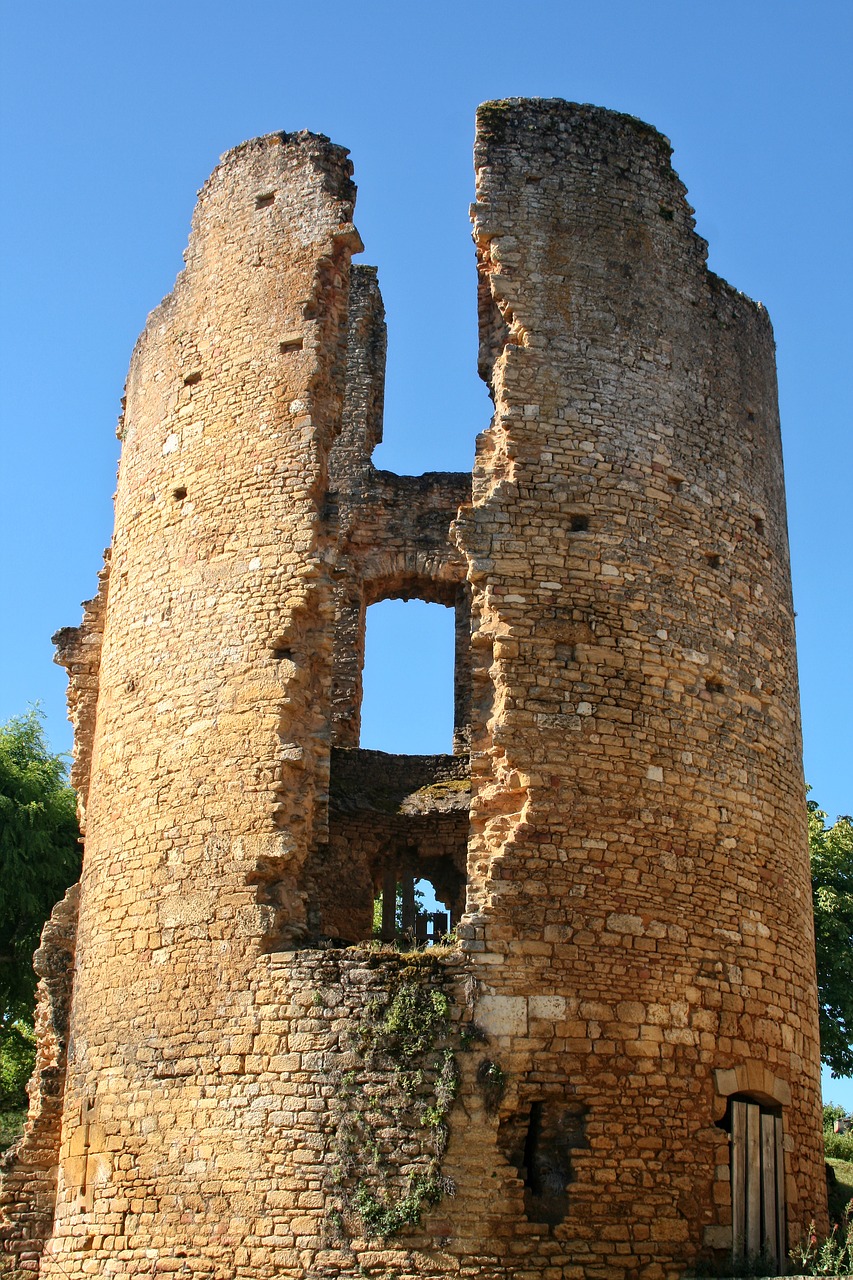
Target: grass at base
(842, 1193)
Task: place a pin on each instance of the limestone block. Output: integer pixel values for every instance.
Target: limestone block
(502, 1015)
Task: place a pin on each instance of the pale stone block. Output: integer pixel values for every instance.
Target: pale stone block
(617, 923)
(726, 1082)
(185, 908)
(549, 1008)
(502, 1015)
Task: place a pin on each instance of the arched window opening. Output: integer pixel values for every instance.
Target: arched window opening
(395, 865)
(407, 701)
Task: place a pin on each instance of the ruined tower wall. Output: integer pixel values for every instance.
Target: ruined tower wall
(79, 651)
(637, 822)
(349, 475)
(392, 531)
(210, 760)
(548, 1096)
(28, 1171)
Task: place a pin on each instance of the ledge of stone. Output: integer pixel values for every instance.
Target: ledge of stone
(376, 781)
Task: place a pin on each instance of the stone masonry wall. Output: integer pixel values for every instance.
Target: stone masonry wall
(545, 1099)
(79, 651)
(210, 761)
(637, 835)
(29, 1168)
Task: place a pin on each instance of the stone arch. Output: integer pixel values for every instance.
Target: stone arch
(392, 574)
(754, 1079)
(749, 1107)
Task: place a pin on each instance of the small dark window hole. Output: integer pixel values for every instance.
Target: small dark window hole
(179, 494)
(280, 654)
(714, 686)
(264, 201)
(675, 482)
(290, 344)
(666, 214)
(759, 524)
(714, 560)
(578, 524)
(192, 379)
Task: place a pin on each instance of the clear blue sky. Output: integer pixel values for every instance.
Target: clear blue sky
(114, 114)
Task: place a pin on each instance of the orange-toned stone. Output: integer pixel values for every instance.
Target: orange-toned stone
(630, 879)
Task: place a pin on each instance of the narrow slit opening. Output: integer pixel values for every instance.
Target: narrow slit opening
(531, 1149)
(541, 1141)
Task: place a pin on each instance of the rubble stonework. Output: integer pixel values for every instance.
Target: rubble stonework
(619, 838)
(28, 1172)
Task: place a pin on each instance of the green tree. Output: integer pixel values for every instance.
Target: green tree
(17, 1055)
(39, 859)
(831, 849)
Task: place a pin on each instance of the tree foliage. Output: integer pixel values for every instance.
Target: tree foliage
(39, 854)
(831, 849)
(17, 1057)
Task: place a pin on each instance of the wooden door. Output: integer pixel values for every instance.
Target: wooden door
(758, 1184)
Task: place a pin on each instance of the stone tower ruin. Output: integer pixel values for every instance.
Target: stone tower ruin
(611, 1067)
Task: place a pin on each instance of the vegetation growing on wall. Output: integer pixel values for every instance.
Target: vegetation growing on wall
(830, 1256)
(394, 1101)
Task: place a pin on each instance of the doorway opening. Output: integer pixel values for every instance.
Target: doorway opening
(757, 1182)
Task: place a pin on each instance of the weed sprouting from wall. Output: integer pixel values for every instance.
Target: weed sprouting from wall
(491, 1081)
